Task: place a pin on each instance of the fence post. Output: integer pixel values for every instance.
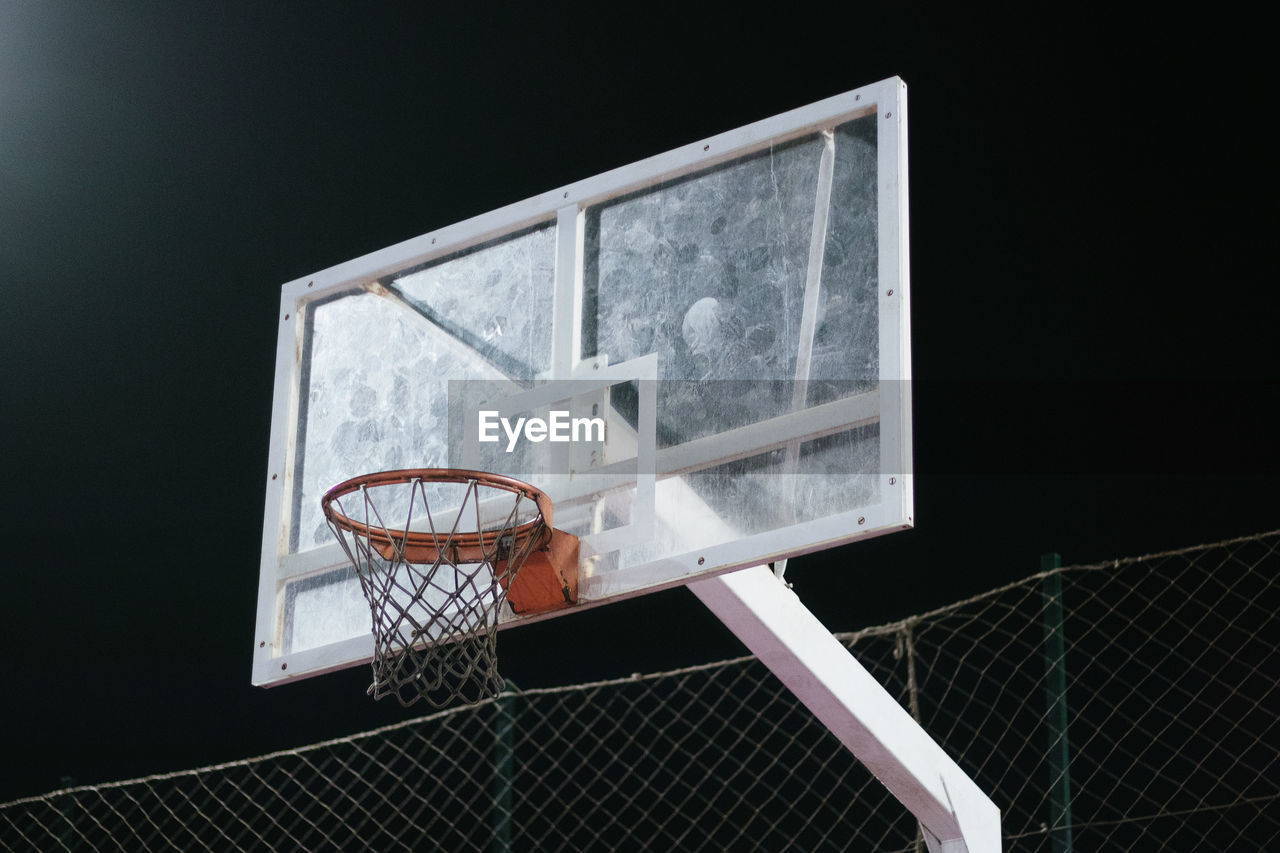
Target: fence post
(503, 768)
(1055, 684)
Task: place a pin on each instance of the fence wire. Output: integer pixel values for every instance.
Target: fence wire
(1130, 705)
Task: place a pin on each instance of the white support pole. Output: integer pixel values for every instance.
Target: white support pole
(773, 623)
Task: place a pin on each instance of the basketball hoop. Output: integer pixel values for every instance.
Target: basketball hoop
(437, 579)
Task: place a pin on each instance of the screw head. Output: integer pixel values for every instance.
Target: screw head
(862, 519)
(701, 560)
(892, 480)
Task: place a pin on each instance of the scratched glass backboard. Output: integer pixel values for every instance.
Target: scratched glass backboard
(734, 313)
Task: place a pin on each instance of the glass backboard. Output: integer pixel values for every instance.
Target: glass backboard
(726, 322)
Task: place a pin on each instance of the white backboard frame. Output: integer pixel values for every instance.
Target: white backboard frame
(565, 207)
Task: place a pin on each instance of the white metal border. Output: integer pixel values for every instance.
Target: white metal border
(564, 206)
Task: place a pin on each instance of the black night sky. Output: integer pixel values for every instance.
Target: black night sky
(1093, 303)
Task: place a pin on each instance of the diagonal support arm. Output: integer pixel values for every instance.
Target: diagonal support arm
(770, 619)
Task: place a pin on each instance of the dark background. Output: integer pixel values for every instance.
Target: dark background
(1094, 310)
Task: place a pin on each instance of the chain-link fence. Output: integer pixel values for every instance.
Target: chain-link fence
(1130, 705)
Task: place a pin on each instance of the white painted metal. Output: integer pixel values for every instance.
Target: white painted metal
(565, 207)
(813, 273)
(284, 405)
(566, 338)
(773, 623)
(894, 317)
(616, 182)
